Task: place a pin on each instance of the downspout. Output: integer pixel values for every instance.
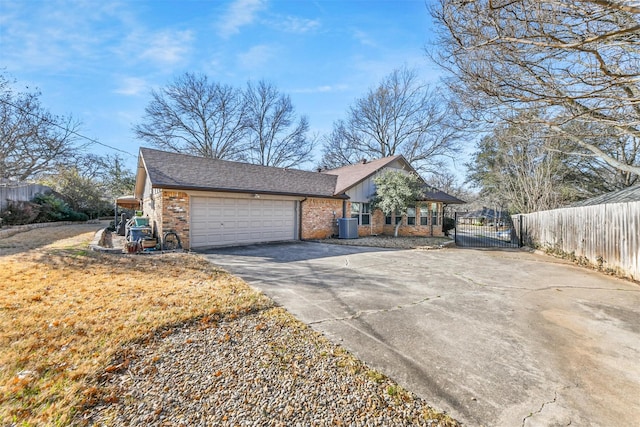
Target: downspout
(300, 219)
(344, 208)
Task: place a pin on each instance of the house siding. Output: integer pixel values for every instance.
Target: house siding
(376, 226)
(414, 230)
(175, 215)
(364, 190)
(319, 218)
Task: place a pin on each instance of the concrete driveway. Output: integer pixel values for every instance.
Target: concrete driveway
(495, 338)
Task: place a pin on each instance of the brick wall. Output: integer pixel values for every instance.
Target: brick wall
(412, 230)
(319, 218)
(175, 215)
(376, 226)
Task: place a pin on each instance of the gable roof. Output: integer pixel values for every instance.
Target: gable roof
(350, 175)
(626, 195)
(185, 172)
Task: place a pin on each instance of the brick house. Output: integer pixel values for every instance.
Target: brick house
(211, 202)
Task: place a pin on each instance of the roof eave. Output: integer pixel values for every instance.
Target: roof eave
(243, 191)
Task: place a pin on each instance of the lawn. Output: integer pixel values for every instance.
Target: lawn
(67, 313)
(70, 318)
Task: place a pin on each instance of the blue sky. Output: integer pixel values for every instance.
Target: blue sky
(99, 60)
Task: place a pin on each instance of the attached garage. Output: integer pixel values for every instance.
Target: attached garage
(222, 221)
(212, 202)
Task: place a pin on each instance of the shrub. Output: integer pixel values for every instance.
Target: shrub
(448, 224)
(19, 213)
(54, 209)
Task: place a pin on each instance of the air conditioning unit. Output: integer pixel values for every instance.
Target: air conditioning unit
(348, 228)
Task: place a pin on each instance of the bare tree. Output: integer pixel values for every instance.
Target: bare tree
(195, 116)
(399, 116)
(521, 165)
(109, 171)
(576, 60)
(32, 140)
(275, 137)
(339, 148)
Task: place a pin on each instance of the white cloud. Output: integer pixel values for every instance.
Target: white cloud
(168, 47)
(239, 14)
(323, 89)
(132, 86)
(297, 25)
(364, 38)
(256, 57)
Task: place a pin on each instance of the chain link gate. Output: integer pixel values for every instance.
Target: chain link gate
(487, 228)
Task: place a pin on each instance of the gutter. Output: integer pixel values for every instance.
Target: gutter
(243, 191)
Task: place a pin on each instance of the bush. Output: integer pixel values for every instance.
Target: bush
(52, 209)
(20, 213)
(448, 224)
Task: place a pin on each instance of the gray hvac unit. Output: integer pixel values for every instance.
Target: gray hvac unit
(348, 228)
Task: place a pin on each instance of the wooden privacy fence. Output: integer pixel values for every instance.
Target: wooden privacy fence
(606, 236)
(20, 193)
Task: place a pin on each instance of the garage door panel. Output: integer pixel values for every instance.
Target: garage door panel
(227, 221)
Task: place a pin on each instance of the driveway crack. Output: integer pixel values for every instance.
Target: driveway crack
(555, 398)
(359, 313)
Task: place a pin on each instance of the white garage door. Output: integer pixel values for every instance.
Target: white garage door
(219, 221)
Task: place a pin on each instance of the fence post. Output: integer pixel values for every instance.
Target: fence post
(455, 227)
(521, 241)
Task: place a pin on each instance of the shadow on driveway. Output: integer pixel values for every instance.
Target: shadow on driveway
(504, 338)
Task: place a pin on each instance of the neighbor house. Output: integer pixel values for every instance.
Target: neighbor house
(211, 202)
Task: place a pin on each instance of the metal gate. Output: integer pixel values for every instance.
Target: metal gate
(487, 228)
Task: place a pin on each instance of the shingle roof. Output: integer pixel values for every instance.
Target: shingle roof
(434, 195)
(350, 175)
(181, 171)
(630, 194)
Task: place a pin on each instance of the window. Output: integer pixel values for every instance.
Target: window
(411, 215)
(434, 214)
(355, 211)
(361, 211)
(424, 214)
(365, 214)
(388, 220)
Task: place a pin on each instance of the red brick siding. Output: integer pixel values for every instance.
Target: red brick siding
(376, 226)
(318, 220)
(175, 215)
(413, 230)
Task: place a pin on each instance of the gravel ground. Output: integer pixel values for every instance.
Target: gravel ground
(394, 242)
(262, 369)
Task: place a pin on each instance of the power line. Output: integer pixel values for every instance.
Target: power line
(73, 132)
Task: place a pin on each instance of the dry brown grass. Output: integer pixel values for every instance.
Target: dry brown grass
(66, 313)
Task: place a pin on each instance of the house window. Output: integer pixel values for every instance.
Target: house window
(365, 214)
(361, 211)
(411, 215)
(355, 211)
(435, 217)
(424, 214)
(388, 220)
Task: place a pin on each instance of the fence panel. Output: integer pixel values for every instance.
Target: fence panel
(607, 236)
(20, 193)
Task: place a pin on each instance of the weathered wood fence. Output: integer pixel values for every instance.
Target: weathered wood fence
(606, 236)
(20, 193)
